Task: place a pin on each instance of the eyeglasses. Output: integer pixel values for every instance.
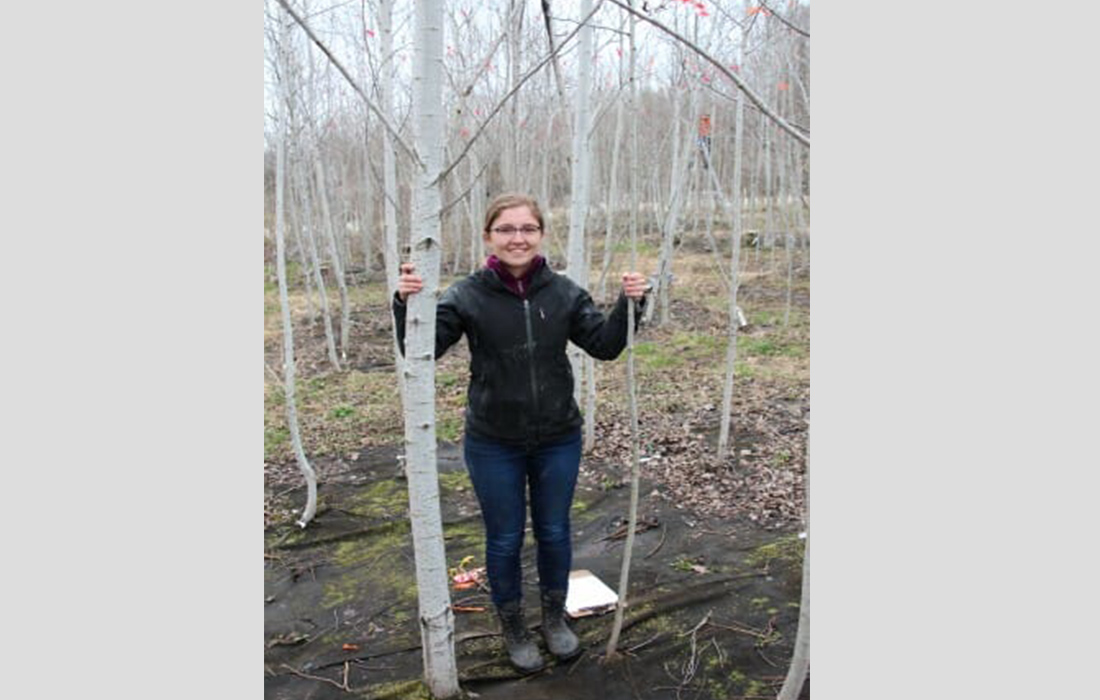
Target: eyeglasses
(509, 231)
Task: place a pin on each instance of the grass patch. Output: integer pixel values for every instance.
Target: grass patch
(449, 427)
(771, 345)
(276, 441)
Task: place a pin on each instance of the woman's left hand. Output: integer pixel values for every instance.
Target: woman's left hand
(635, 285)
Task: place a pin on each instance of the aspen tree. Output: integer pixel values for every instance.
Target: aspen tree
(390, 257)
(800, 659)
(284, 302)
(631, 380)
(575, 259)
(733, 214)
(315, 259)
(435, 615)
(334, 253)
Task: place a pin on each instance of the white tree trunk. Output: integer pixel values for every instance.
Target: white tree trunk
(733, 214)
(390, 255)
(315, 258)
(632, 398)
(800, 660)
(575, 259)
(436, 617)
(300, 247)
(679, 184)
(334, 253)
(612, 204)
(367, 227)
(284, 302)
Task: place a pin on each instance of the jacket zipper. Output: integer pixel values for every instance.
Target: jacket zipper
(531, 361)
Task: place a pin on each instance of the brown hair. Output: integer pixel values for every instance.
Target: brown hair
(511, 200)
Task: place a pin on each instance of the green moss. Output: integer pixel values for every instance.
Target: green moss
(788, 549)
(398, 690)
(718, 690)
(381, 499)
(392, 581)
(455, 481)
(470, 531)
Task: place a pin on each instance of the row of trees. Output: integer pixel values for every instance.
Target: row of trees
(385, 131)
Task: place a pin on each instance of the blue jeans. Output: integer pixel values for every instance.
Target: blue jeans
(501, 475)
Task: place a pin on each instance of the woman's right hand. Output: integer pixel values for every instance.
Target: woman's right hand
(409, 282)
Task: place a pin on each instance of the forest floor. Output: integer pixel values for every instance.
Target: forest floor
(724, 543)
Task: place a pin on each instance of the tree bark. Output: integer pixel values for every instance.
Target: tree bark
(631, 385)
(390, 255)
(575, 259)
(800, 660)
(315, 258)
(284, 301)
(334, 253)
(733, 214)
(436, 617)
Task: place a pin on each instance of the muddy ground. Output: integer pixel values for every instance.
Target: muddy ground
(713, 603)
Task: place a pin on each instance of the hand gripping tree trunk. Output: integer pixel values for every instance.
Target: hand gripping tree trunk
(436, 618)
(284, 302)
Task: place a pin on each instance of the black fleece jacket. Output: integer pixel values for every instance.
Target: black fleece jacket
(521, 383)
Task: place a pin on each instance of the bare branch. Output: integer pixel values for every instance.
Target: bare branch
(785, 21)
(550, 38)
(462, 196)
(753, 97)
(481, 128)
(381, 116)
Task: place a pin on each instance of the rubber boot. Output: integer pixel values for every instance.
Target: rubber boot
(555, 630)
(522, 651)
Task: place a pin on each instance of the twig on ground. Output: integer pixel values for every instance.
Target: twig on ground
(702, 622)
(296, 672)
(636, 647)
(769, 661)
(742, 630)
(664, 531)
(692, 664)
(621, 531)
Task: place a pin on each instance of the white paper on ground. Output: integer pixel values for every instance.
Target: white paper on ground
(588, 595)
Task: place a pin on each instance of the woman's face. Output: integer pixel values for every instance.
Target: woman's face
(511, 243)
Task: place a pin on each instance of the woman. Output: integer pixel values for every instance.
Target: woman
(523, 427)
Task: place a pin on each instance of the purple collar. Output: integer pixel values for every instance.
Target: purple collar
(519, 286)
